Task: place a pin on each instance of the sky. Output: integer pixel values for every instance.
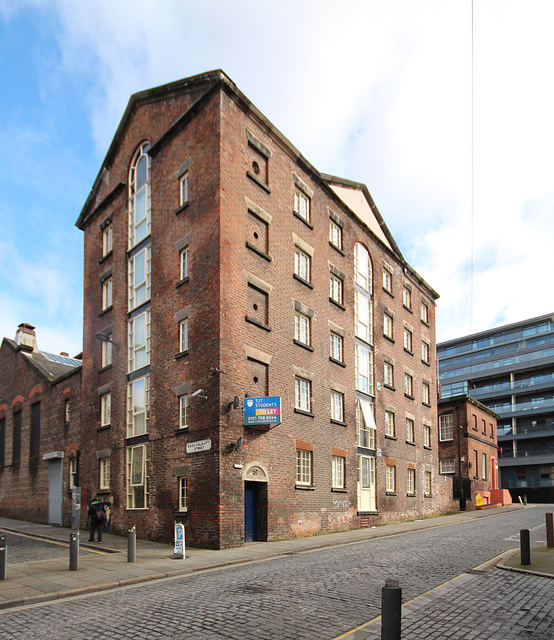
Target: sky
(448, 120)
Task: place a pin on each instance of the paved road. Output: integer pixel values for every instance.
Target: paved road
(316, 595)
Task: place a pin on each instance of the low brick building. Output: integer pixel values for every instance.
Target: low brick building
(220, 264)
(39, 430)
(468, 449)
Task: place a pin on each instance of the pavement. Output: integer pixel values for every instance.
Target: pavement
(105, 566)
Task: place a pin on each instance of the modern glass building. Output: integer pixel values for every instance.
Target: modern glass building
(510, 369)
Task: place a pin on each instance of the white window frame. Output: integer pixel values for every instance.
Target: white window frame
(390, 427)
(138, 406)
(410, 430)
(106, 354)
(302, 264)
(425, 393)
(446, 466)
(388, 374)
(484, 465)
(337, 406)
(107, 293)
(335, 235)
(67, 411)
(365, 424)
(390, 478)
(302, 394)
(104, 474)
(302, 328)
(304, 461)
(362, 268)
(139, 283)
(425, 351)
(183, 486)
(137, 476)
(184, 263)
(388, 325)
(73, 470)
(428, 483)
(408, 340)
(302, 204)
(183, 411)
(338, 466)
(184, 188)
(387, 280)
(335, 288)
(407, 297)
(336, 347)
(184, 335)
(105, 409)
(408, 385)
(363, 311)
(139, 329)
(424, 312)
(410, 481)
(137, 232)
(446, 427)
(107, 239)
(363, 369)
(427, 436)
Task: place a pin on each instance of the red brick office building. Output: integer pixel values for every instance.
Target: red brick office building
(219, 263)
(39, 430)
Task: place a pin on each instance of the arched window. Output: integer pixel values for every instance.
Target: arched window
(362, 268)
(139, 196)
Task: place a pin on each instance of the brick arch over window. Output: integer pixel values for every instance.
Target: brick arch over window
(35, 391)
(139, 195)
(363, 270)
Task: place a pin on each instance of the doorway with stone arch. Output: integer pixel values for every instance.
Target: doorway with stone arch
(256, 478)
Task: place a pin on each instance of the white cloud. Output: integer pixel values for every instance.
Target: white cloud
(376, 92)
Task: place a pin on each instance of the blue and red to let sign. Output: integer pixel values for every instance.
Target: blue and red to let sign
(262, 410)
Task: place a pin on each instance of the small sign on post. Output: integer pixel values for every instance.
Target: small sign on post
(76, 508)
(179, 548)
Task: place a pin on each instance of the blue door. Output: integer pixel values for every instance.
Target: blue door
(250, 511)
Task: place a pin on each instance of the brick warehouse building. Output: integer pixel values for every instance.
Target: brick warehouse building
(219, 264)
(468, 449)
(39, 430)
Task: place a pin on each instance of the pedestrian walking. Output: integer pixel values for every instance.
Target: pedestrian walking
(97, 517)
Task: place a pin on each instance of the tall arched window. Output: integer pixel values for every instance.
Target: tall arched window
(139, 196)
(362, 268)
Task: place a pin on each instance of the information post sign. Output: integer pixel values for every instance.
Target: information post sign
(76, 508)
(259, 411)
(179, 548)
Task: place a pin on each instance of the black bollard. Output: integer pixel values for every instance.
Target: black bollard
(549, 531)
(132, 545)
(524, 539)
(3, 557)
(74, 551)
(391, 610)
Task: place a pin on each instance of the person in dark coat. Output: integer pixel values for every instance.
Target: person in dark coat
(97, 516)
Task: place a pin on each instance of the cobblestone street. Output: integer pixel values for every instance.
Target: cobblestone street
(323, 594)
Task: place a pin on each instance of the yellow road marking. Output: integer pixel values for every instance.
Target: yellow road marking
(405, 604)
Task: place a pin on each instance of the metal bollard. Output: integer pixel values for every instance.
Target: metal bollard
(74, 551)
(132, 545)
(391, 610)
(524, 539)
(549, 531)
(3, 557)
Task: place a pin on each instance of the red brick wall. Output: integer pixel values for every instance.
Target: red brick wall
(24, 484)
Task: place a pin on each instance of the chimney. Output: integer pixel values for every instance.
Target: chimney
(64, 353)
(26, 336)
